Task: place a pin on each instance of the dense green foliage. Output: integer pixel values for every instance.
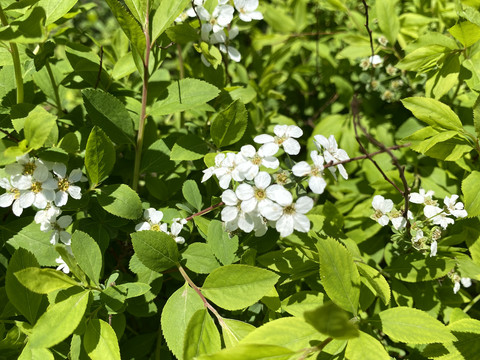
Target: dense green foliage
(169, 186)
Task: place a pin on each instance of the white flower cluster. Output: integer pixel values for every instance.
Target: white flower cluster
(459, 280)
(216, 25)
(435, 217)
(45, 187)
(257, 199)
(152, 221)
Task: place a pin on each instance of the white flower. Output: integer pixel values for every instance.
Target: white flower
(28, 166)
(246, 9)
(382, 207)
(285, 136)
(207, 173)
(466, 282)
(59, 234)
(263, 197)
(332, 153)
(422, 197)
(65, 185)
(220, 38)
(14, 189)
(433, 248)
(44, 217)
(398, 220)
(316, 182)
(294, 218)
(228, 169)
(253, 160)
(152, 222)
(175, 228)
(418, 236)
(437, 216)
(232, 214)
(455, 209)
(39, 194)
(221, 17)
(62, 265)
(375, 60)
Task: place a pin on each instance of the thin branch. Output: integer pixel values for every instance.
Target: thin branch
(10, 136)
(210, 208)
(166, 46)
(322, 109)
(355, 105)
(367, 27)
(197, 16)
(100, 67)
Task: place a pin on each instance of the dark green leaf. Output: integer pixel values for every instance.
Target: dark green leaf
(155, 249)
(88, 255)
(99, 156)
(229, 126)
(120, 200)
(332, 321)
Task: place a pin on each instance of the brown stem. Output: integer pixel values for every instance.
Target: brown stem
(205, 210)
(10, 136)
(355, 105)
(369, 33)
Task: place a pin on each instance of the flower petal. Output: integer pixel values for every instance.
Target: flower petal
(304, 205)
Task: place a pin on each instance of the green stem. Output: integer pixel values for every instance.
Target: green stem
(471, 303)
(141, 125)
(16, 61)
(55, 89)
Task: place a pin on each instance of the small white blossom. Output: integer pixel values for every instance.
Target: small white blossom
(263, 197)
(152, 222)
(65, 185)
(228, 169)
(62, 266)
(375, 60)
(246, 9)
(433, 248)
(44, 217)
(294, 218)
(285, 136)
(253, 160)
(59, 234)
(422, 197)
(220, 18)
(332, 153)
(437, 216)
(14, 188)
(455, 208)
(382, 207)
(39, 194)
(398, 220)
(316, 182)
(175, 228)
(28, 166)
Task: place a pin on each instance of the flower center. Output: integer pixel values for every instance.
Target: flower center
(429, 201)
(279, 140)
(260, 194)
(63, 184)
(213, 21)
(29, 168)
(257, 160)
(36, 187)
(378, 214)
(289, 210)
(282, 179)
(316, 172)
(155, 227)
(15, 192)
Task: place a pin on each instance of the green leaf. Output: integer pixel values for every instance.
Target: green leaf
(332, 321)
(229, 125)
(99, 156)
(223, 246)
(365, 344)
(293, 333)
(471, 193)
(24, 300)
(473, 66)
(374, 281)
(109, 113)
(54, 10)
(415, 267)
(302, 301)
(121, 200)
(189, 147)
(338, 274)
(28, 28)
(447, 77)
(130, 26)
(422, 59)
(32, 353)
(191, 193)
(199, 258)
(465, 32)
(251, 352)
(176, 315)
(234, 287)
(185, 94)
(210, 52)
(182, 33)
(201, 336)
(44, 281)
(100, 341)
(157, 158)
(433, 112)
(38, 125)
(413, 326)
(155, 249)
(59, 321)
(388, 19)
(166, 12)
(88, 255)
(234, 331)
(138, 8)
